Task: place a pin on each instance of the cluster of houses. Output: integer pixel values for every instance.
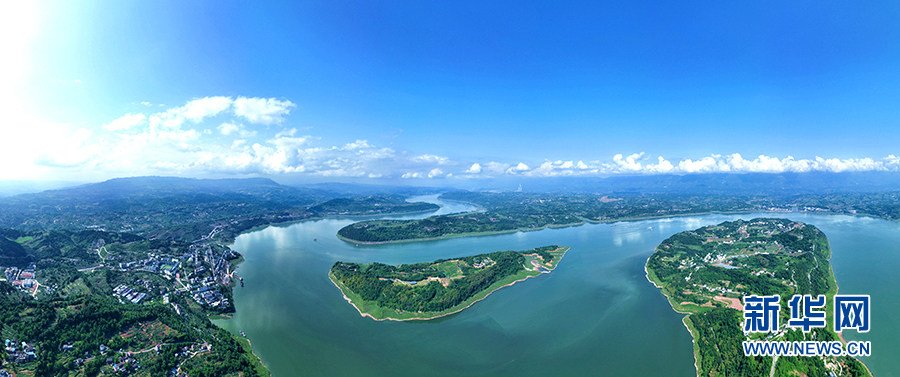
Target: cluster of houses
(22, 279)
(485, 262)
(19, 353)
(154, 263)
(129, 294)
(209, 296)
(721, 290)
(210, 269)
(763, 272)
(125, 364)
(11, 273)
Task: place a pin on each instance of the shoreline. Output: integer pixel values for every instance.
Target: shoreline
(589, 221)
(694, 347)
(230, 317)
(230, 243)
(647, 275)
(523, 279)
(296, 221)
(686, 319)
(460, 235)
(439, 315)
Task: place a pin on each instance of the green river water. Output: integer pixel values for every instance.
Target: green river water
(596, 314)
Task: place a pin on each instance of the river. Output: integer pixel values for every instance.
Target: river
(596, 314)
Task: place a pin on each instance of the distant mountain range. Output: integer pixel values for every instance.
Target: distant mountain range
(268, 189)
(188, 208)
(144, 188)
(185, 208)
(16, 187)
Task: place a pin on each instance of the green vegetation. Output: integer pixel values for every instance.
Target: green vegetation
(518, 211)
(127, 296)
(159, 237)
(430, 290)
(185, 209)
(153, 282)
(89, 334)
(706, 273)
(717, 345)
(511, 212)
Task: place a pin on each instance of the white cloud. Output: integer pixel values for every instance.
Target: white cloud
(184, 140)
(201, 108)
(431, 159)
(628, 163)
(496, 167)
(518, 169)
(145, 103)
(228, 129)
(662, 167)
(288, 154)
(359, 144)
(77, 81)
(125, 122)
(262, 110)
(290, 132)
(557, 168)
(703, 165)
(66, 148)
(255, 110)
(637, 164)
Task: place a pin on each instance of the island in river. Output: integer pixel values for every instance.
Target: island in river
(423, 291)
(706, 273)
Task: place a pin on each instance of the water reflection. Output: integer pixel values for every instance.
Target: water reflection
(300, 325)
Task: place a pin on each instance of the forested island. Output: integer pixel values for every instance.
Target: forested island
(512, 212)
(706, 273)
(424, 291)
(507, 212)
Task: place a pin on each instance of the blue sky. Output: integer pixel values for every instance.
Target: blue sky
(415, 92)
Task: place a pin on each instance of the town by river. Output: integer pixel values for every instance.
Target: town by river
(596, 314)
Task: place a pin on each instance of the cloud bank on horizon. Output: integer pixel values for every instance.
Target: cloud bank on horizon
(244, 136)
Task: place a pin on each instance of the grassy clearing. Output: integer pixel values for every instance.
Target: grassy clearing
(450, 268)
(76, 288)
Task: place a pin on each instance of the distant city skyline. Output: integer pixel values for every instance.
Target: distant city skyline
(412, 92)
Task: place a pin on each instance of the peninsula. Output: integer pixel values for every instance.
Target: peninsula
(510, 212)
(706, 272)
(423, 291)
